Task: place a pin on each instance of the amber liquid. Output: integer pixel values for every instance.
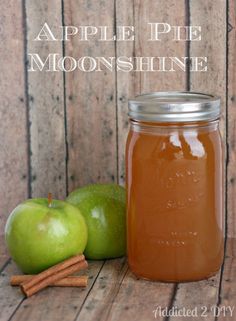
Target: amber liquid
(174, 201)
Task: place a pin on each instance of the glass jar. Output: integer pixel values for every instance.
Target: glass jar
(174, 179)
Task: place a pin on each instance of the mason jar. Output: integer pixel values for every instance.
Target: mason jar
(174, 180)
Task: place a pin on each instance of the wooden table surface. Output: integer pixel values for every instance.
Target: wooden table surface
(113, 293)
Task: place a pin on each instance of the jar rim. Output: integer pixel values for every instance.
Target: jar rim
(174, 106)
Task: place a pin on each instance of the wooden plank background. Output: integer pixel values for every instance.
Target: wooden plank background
(60, 131)
(14, 164)
(90, 102)
(46, 117)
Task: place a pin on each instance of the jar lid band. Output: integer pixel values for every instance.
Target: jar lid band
(174, 107)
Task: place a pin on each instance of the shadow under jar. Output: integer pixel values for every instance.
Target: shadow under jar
(174, 180)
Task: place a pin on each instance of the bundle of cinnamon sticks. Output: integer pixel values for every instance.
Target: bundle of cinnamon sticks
(57, 275)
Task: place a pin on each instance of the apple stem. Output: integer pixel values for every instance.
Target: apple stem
(49, 199)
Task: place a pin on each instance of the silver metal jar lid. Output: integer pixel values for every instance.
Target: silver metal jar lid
(174, 107)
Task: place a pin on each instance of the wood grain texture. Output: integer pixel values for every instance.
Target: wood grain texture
(114, 293)
(13, 111)
(139, 13)
(91, 101)
(211, 16)
(56, 304)
(231, 124)
(4, 256)
(202, 296)
(138, 300)
(127, 83)
(46, 105)
(98, 303)
(166, 11)
(96, 126)
(228, 286)
(10, 298)
(118, 295)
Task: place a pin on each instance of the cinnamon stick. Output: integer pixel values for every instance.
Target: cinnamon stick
(69, 281)
(53, 270)
(53, 274)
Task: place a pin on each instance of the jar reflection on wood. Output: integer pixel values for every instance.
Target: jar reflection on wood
(174, 178)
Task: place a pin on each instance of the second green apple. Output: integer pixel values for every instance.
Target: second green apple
(103, 207)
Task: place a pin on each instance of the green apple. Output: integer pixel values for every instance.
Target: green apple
(40, 234)
(103, 207)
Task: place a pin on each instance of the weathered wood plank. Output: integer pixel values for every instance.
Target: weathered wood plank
(98, 302)
(211, 16)
(118, 295)
(13, 110)
(204, 295)
(3, 260)
(114, 294)
(139, 13)
(197, 297)
(169, 12)
(10, 298)
(4, 256)
(91, 100)
(228, 286)
(46, 105)
(231, 144)
(138, 300)
(127, 82)
(56, 304)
